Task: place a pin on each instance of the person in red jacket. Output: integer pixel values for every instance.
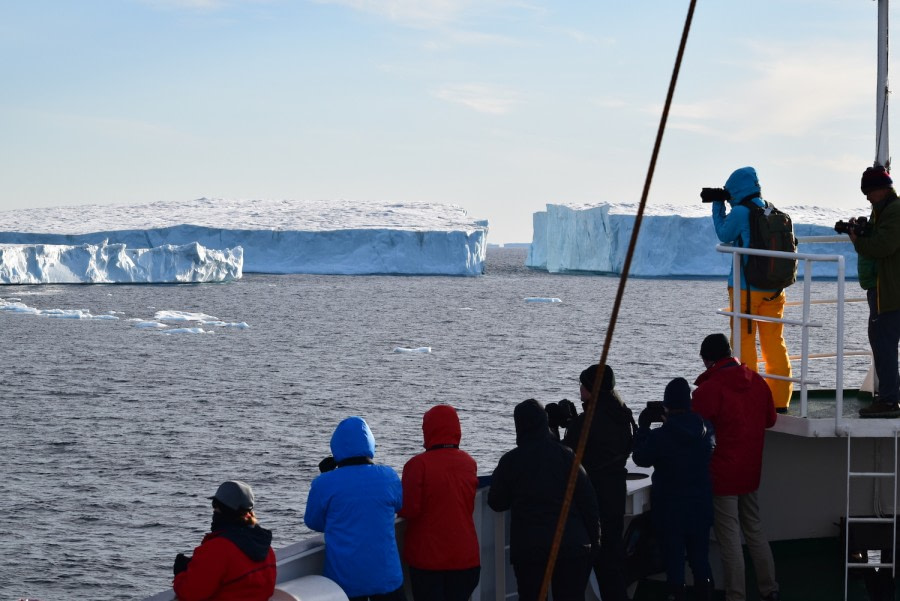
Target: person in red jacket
(441, 546)
(738, 403)
(235, 561)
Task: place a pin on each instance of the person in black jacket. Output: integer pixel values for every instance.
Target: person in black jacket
(607, 450)
(679, 452)
(531, 480)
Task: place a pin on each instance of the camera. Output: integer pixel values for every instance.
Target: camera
(714, 195)
(656, 408)
(858, 225)
(655, 412)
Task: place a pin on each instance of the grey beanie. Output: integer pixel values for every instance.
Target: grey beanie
(235, 495)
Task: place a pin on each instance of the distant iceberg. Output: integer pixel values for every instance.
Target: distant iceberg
(673, 242)
(286, 236)
(116, 263)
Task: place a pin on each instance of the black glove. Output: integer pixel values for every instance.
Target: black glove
(327, 464)
(181, 563)
(569, 411)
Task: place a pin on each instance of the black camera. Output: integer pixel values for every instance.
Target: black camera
(858, 225)
(714, 195)
(655, 412)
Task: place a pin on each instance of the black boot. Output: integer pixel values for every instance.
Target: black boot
(703, 590)
(676, 592)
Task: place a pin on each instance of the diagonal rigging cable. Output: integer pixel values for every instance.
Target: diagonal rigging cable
(592, 405)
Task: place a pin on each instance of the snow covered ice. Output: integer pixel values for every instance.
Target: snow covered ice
(285, 236)
(673, 242)
(116, 263)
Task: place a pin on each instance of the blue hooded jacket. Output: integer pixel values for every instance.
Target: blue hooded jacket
(743, 184)
(355, 506)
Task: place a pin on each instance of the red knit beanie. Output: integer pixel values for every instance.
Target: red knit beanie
(874, 178)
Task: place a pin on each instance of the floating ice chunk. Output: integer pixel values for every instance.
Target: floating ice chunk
(149, 325)
(421, 349)
(224, 324)
(106, 317)
(66, 313)
(542, 299)
(186, 331)
(183, 316)
(18, 307)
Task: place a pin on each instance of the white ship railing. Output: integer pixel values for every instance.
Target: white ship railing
(805, 322)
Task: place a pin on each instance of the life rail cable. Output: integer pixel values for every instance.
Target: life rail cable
(590, 410)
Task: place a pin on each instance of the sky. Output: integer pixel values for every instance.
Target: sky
(498, 106)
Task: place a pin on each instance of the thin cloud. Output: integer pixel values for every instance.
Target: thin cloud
(418, 12)
(788, 92)
(479, 97)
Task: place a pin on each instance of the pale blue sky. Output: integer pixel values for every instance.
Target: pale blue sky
(498, 106)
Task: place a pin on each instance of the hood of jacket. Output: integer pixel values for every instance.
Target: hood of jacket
(253, 541)
(352, 438)
(440, 426)
(531, 422)
(741, 184)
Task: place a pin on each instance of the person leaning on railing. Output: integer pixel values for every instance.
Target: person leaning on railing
(878, 246)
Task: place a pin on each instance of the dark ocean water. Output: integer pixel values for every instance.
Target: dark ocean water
(113, 436)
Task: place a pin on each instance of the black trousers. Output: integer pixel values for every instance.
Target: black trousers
(443, 585)
(609, 565)
(570, 578)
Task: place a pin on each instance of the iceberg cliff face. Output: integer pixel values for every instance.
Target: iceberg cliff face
(595, 239)
(115, 263)
(277, 236)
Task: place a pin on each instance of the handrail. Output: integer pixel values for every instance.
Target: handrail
(804, 322)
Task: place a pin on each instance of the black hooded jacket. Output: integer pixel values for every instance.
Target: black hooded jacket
(530, 480)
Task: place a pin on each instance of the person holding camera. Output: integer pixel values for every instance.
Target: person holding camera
(235, 561)
(738, 403)
(530, 481)
(734, 228)
(877, 243)
(608, 446)
(355, 505)
(679, 452)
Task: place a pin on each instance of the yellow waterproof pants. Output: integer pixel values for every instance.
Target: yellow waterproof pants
(771, 341)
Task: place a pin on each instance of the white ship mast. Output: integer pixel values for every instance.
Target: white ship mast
(882, 147)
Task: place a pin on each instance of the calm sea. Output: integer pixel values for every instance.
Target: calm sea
(113, 436)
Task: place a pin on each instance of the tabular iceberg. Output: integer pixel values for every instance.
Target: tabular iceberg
(673, 242)
(115, 263)
(277, 236)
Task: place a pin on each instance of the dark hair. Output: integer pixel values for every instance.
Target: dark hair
(715, 347)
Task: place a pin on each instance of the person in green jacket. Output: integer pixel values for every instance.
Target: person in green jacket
(878, 247)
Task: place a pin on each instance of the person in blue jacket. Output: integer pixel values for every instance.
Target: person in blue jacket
(681, 495)
(355, 505)
(734, 228)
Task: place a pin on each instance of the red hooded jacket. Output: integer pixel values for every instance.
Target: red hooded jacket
(221, 571)
(739, 404)
(439, 498)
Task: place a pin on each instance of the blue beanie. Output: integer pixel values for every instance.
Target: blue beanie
(743, 184)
